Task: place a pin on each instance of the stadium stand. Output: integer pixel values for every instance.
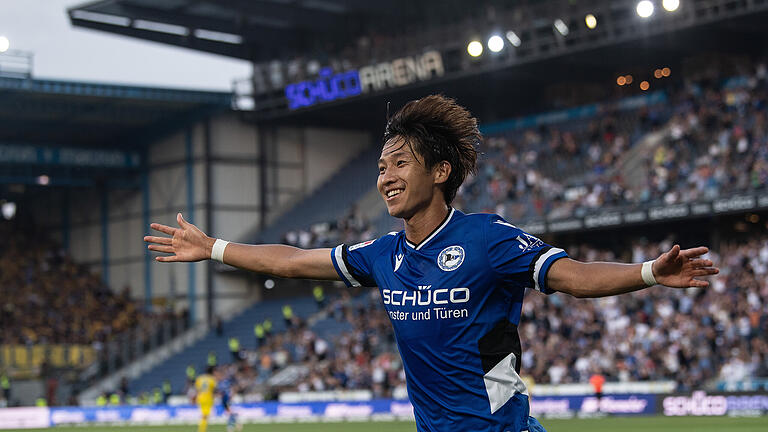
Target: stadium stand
(713, 144)
(690, 139)
(216, 342)
(350, 227)
(325, 203)
(349, 344)
(685, 336)
(689, 336)
(56, 313)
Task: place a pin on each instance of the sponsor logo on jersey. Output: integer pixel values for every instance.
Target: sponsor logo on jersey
(398, 261)
(527, 241)
(450, 258)
(425, 297)
(361, 245)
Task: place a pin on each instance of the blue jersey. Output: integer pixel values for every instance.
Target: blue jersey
(455, 301)
(225, 387)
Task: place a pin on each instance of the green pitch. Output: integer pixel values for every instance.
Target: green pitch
(638, 424)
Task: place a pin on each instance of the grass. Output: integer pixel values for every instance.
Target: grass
(623, 424)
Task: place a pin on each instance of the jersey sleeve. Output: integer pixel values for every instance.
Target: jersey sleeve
(354, 264)
(519, 258)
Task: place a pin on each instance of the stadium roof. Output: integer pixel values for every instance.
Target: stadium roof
(259, 30)
(96, 115)
(494, 88)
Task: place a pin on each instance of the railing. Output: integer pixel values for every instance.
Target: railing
(91, 361)
(132, 345)
(728, 201)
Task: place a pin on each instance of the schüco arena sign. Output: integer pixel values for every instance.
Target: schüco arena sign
(331, 86)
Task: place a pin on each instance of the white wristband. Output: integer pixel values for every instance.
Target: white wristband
(647, 273)
(217, 253)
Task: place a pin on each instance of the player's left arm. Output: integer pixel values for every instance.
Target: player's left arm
(675, 268)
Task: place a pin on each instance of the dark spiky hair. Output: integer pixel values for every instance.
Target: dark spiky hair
(438, 129)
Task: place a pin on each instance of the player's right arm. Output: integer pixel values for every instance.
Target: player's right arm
(189, 244)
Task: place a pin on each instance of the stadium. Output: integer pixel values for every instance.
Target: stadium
(612, 130)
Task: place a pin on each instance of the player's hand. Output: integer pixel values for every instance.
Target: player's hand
(186, 243)
(681, 268)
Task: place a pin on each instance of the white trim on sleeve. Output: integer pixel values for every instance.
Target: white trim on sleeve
(540, 263)
(338, 253)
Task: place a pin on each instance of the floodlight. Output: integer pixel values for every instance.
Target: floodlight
(591, 21)
(645, 8)
(495, 43)
(4, 44)
(8, 209)
(475, 48)
(670, 5)
(514, 39)
(561, 27)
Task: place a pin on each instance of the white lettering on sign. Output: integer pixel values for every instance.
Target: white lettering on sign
(401, 72)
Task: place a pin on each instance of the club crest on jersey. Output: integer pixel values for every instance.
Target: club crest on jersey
(363, 244)
(450, 258)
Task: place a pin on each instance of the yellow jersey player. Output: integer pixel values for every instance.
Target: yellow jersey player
(205, 385)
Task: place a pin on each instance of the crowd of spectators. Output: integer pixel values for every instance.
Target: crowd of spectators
(349, 228)
(690, 336)
(49, 299)
(714, 142)
(362, 357)
(717, 143)
(554, 169)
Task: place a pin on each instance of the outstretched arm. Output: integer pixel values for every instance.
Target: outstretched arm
(675, 268)
(188, 243)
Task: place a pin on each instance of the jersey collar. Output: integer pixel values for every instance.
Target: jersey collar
(434, 233)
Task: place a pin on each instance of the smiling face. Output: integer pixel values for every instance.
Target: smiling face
(406, 185)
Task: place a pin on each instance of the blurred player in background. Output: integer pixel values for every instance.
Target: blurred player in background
(225, 390)
(205, 385)
(452, 284)
(597, 380)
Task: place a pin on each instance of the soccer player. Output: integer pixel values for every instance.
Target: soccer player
(205, 385)
(451, 283)
(597, 380)
(225, 389)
